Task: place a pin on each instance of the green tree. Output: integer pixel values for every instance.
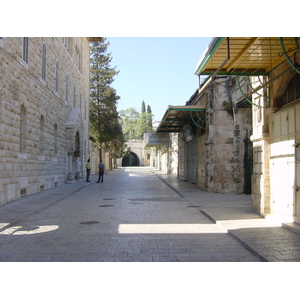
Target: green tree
(143, 107)
(104, 118)
(135, 124)
(149, 119)
(130, 122)
(120, 149)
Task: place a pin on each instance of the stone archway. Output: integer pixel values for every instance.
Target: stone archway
(130, 159)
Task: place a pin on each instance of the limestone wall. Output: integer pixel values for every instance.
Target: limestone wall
(44, 161)
(220, 147)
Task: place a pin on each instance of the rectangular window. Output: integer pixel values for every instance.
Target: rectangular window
(56, 75)
(55, 139)
(74, 100)
(44, 63)
(65, 42)
(23, 130)
(23, 193)
(42, 132)
(25, 50)
(67, 88)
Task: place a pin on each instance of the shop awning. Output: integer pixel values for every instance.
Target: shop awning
(176, 117)
(246, 56)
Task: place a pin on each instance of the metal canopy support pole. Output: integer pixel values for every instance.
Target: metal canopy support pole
(286, 55)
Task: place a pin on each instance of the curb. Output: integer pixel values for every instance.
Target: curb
(237, 238)
(181, 195)
(217, 223)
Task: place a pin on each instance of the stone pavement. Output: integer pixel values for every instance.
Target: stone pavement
(267, 239)
(270, 239)
(14, 212)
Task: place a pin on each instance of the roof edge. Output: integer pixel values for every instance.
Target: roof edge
(212, 47)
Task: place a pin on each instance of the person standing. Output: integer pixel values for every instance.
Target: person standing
(88, 170)
(101, 171)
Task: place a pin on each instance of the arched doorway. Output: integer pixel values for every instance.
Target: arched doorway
(130, 159)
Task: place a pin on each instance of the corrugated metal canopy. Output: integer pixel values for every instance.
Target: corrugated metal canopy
(176, 117)
(245, 56)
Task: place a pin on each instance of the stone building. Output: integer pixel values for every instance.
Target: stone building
(213, 134)
(44, 113)
(221, 142)
(271, 68)
(163, 151)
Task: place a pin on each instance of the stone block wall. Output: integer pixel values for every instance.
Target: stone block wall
(43, 163)
(228, 128)
(220, 148)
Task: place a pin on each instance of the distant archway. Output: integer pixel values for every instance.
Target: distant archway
(130, 159)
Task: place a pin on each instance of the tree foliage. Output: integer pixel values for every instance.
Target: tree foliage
(104, 118)
(149, 114)
(135, 124)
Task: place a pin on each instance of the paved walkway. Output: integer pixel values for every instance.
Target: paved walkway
(265, 238)
(269, 239)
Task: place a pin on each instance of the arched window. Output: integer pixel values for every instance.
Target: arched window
(42, 134)
(23, 129)
(77, 144)
(44, 62)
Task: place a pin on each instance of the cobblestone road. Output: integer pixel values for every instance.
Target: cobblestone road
(132, 216)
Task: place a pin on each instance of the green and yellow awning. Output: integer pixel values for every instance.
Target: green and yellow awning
(176, 117)
(246, 56)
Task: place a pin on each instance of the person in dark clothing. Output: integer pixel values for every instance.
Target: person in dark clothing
(101, 171)
(88, 170)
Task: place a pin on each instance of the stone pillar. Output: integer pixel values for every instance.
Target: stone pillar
(70, 177)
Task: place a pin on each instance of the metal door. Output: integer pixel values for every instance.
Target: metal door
(284, 163)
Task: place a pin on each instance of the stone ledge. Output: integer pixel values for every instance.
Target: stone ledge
(292, 227)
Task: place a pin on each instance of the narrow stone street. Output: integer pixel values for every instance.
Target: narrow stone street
(132, 217)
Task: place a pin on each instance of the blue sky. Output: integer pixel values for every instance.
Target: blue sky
(159, 70)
